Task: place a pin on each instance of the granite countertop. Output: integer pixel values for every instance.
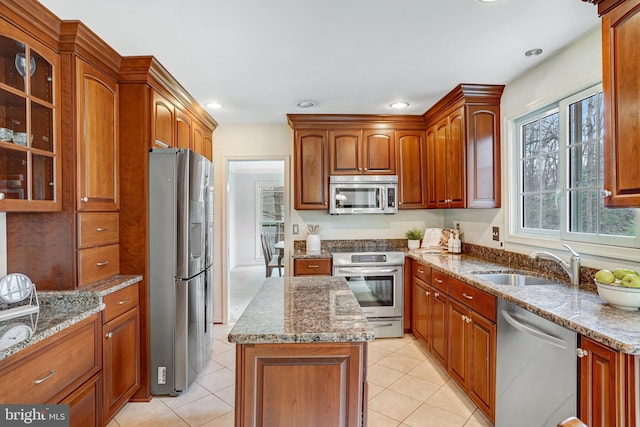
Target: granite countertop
(62, 309)
(308, 309)
(303, 254)
(578, 308)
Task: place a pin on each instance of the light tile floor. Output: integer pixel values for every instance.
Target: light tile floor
(407, 388)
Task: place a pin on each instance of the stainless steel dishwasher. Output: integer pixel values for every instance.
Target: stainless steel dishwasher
(536, 372)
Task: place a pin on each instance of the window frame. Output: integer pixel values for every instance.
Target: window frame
(519, 234)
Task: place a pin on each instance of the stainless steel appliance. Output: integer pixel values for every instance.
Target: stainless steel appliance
(363, 194)
(180, 286)
(536, 373)
(377, 281)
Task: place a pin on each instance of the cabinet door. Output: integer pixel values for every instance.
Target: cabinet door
(98, 173)
(85, 409)
(430, 189)
(621, 59)
(197, 143)
(598, 384)
(439, 330)
(483, 156)
(458, 341)
(440, 157)
(311, 184)
(121, 353)
(378, 152)
(345, 152)
(208, 146)
(456, 162)
(481, 372)
(412, 169)
(162, 121)
(183, 130)
(420, 310)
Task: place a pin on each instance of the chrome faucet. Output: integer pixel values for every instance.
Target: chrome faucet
(572, 268)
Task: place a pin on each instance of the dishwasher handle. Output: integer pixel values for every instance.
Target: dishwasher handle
(532, 330)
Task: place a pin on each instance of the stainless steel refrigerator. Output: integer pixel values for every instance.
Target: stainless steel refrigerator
(180, 259)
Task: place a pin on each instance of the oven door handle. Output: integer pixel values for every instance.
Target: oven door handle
(341, 271)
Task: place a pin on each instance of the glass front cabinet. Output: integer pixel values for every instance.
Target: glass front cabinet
(29, 125)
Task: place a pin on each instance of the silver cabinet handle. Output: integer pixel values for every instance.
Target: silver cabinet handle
(313, 266)
(101, 229)
(46, 377)
(84, 199)
(102, 263)
(109, 335)
(420, 271)
(124, 301)
(438, 280)
(427, 293)
(582, 353)
(464, 294)
(436, 294)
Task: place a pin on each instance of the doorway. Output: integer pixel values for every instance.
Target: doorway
(256, 203)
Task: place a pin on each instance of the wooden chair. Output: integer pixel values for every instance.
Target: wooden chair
(572, 422)
(269, 261)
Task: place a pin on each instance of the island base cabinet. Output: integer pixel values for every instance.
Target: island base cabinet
(292, 385)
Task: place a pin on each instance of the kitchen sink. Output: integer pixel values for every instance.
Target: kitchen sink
(516, 279)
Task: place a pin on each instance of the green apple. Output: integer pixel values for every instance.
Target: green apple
(605, 276)
(621, 272)
(631, 280)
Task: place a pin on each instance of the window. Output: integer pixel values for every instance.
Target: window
(270, 213)
(560, 175)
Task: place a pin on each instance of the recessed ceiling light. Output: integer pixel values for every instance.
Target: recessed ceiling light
(533, 52)
(399, 105)
(213, 105)
(306, 104)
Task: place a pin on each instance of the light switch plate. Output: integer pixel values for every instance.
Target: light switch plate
(296, 229)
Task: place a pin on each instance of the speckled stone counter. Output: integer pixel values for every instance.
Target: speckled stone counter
(303, 254)
(62, 309)
(577, 308)
(302, 310)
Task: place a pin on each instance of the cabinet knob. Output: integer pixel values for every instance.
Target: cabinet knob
(85, 199)
(606, 193)
(1, 196)
(427, 293)
(582, 353)
(109, 335)
(366, 169)
(436, 294)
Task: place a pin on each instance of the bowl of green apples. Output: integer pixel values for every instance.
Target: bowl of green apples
(620, 287)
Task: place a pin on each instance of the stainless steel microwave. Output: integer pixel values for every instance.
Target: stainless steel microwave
(363, 194)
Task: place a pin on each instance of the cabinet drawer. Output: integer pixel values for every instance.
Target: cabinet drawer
(120, 302)
(312, 267)
(98, 263)
(440, 281)
(474, 298)
(68, 357)
(421, 272)
(100, 228)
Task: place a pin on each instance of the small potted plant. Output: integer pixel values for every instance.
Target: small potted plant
(413, 235)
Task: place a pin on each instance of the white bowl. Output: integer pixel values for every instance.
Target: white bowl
(619, 296)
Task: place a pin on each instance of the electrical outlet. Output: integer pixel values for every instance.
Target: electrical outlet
(456, 225)
(495, 233)
(296, 229)
(162, 374)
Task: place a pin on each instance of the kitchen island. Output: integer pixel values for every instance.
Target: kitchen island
(301, 355)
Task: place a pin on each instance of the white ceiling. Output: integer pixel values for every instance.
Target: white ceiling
(260, 57)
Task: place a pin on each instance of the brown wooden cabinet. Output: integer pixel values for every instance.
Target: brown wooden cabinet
(183, 129)
(30, 98)
(162, 121)
(358, 151)
(621, 67)
(301, 384)
(43, 373)
(411, 152)
(420, 307)
(311, 179)
(609, 385)
(97, 139)
(121, 349)
(463, 148)
(311, 267)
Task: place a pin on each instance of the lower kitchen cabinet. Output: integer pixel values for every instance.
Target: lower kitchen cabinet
(121, 349)
(439, 325)
(609, 385)
(85, 409)
(301, 384)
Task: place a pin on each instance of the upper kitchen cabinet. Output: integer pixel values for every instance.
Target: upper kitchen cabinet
(411, 152)
(94, 97)
(358, 151)
(30, 159)
(311, 184)
(163, 119)
(621, 86)
(356, 144)
(463, 148)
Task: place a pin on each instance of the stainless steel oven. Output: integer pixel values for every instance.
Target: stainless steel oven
(377, 280)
